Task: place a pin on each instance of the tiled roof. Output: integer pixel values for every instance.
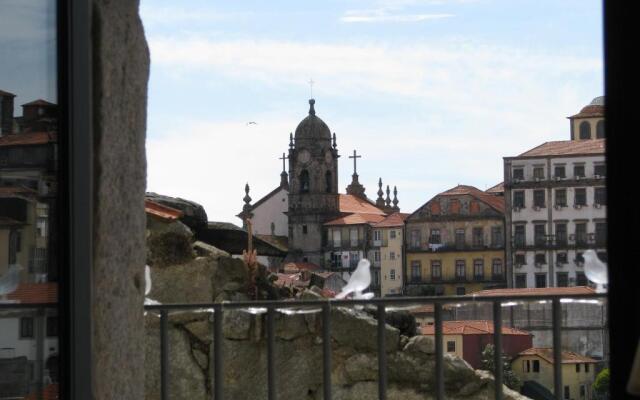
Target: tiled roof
(35, 293)
(592, 110)
(499, 188)
(534, 291)
(161, 211)
(428, 308)
(50, 392)
(349, 203)
(39, 102)
(566, 148)
(28, 139)
(3, 93)
(495, 202)
(301, 266)
(470, 328)
(290, 280)
(356, 219)
(395, 219)
(568, 357)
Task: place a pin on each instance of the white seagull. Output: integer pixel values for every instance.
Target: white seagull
(595, 270)
(10, 280)
(147, 286)
(358, 282)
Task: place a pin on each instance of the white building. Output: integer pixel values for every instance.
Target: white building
(556, 205)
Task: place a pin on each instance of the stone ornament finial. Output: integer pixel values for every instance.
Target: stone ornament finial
(380, 199)
(395, 199)
(387, 201)
(335, 145)
(291, 141)
(312, 110)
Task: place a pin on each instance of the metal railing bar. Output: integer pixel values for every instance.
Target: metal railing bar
(382, 354)
(271, 344)
(164, 355)
(217, 352)
(557, 349)
(497, 349)
(279, 304)
(439, 352)
(326, 351)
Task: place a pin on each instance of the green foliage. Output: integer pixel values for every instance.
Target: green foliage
(508, 376)
(601, 384)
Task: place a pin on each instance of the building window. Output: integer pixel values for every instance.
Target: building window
(561, 258)
(392, 274)
(415, 238)
(15, 245)
(376, 256)
(327, 182)
(600, 130)
(536, 366)
(581, 279)
(392, 255)
(52, 326)
(561, 197)
(601, 234)
(496, 269)
(600, 196)
(581, 197)
(578, 170)
(459, 238)
(518, 199)
(435, 236)
(540, 258)
(528, 365)
(583, 390)
(461, 269)
(26, 327)
(478, 269)
(436, 270)
(581, 233)
(585, 130)
(567, 393)
(497, 238)
(521, 280)
(518, 173)
(539, 234)
(600, 170)
(519, 236)
(337, 237)
(416, 271)
(561, 233)
(541, 281)
(460, 291)
(586, 367)
(578, 367)
(376, 235)
(451, 346)
(579, 259)
(538, 173)
(336, 260)
(538, 198)
(304, 181)
(520, 259)
(562, 279)
(354, 258)
(478, 236)
(392, 234)
(304, 229)
(559, 171)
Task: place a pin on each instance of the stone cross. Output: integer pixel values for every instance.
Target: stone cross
(354, 156)
(283, 158)
(311, 82)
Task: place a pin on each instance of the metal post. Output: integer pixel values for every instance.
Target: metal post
(271, 344)
(382, 354)
(217, 352)
(164, 356)
(557, 348)
(497, 348)
(326, 351)
(439, 352)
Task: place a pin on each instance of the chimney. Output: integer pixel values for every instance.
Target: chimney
(6, 113)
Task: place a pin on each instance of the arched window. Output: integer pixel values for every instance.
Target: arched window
(327, 180)
(600, 129)
(304, 181)
(585, 130)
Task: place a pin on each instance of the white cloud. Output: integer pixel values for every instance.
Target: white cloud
(384, 15)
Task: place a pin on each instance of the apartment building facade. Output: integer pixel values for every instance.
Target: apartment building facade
(387, 253)
(555, 198)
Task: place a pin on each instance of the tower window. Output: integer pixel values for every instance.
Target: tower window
(600, 130)
(304, 181)
(585, 130)
(304, 229)
(327, 179)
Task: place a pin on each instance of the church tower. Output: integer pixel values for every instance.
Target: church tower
(313, 187)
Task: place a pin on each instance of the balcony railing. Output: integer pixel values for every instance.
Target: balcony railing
(324, 306)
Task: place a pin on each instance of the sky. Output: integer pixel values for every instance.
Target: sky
(431, 93)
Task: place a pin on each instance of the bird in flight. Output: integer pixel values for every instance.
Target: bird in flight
(252, 123)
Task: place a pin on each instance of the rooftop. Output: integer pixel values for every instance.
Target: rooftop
(499, 188)
(494, 201)
(566, 148)
(356, 219)
(352, 204)
(393, 220)
(39, 102)
(482, 327)
(534, 291)
(35, 293)
(546, 353)
(28, 139)
(3, 93)
(161, 211)
(593, 109)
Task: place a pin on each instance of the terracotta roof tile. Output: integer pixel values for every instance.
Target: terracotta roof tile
(470, 328)
(35, 293)
(28, 139)
(356, 219)
(290, 280)
(50, 392)
(568, 357)
(495, 202)
(534, 291)
(499, 188)
(161, 211)
(349, 203)
(592, 110)
(301, 266)
(567, 148)
(395, 219)
(39, 102)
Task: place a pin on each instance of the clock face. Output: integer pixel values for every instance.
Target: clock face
(304, 156)
(328, 157)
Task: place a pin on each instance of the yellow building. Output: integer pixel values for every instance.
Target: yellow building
(455, 244)
(387, 240)
(578, 372)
